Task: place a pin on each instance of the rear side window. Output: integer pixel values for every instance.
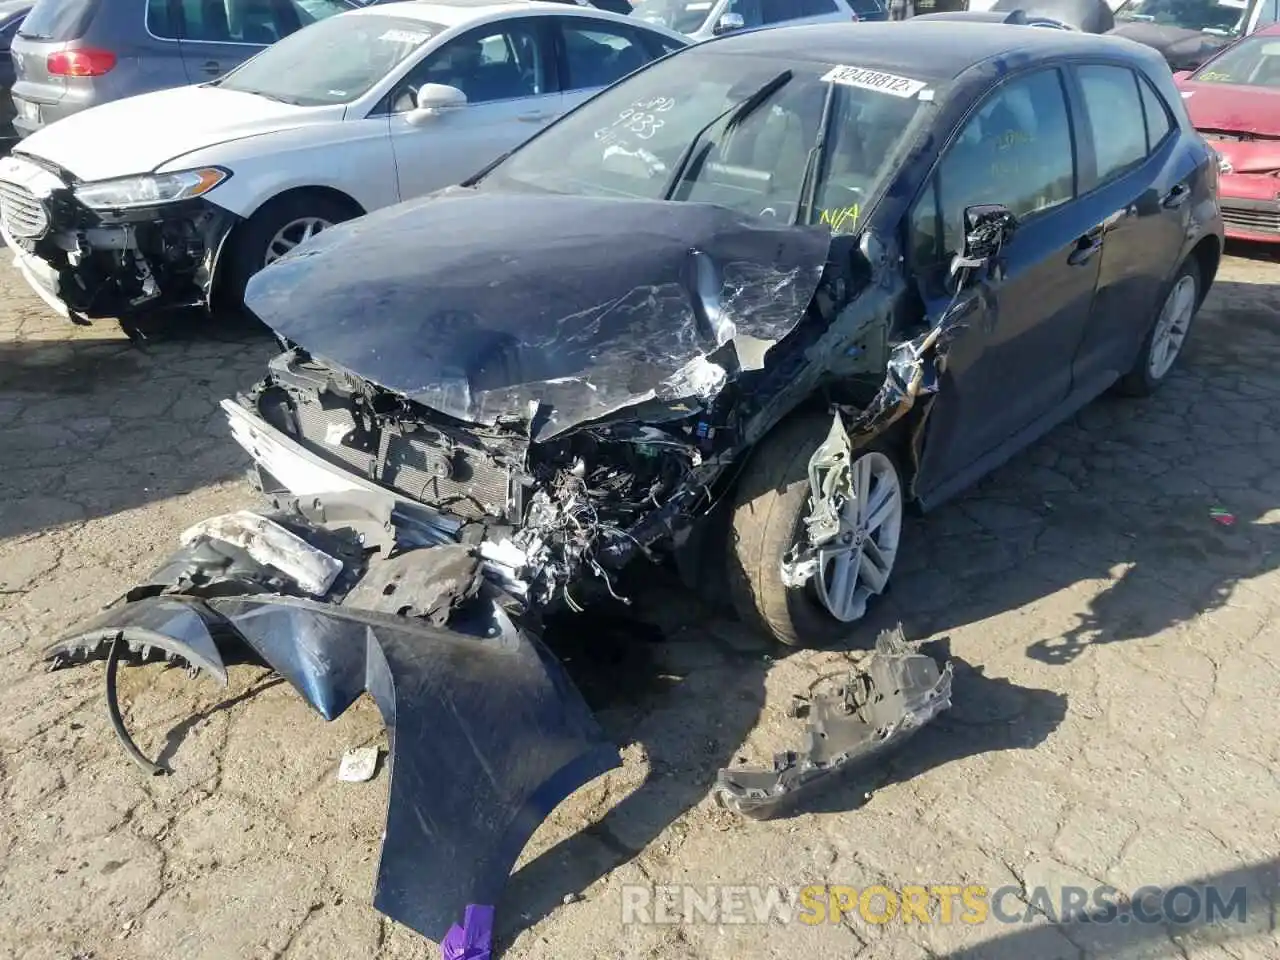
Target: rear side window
(1158, 122)
(1116, 117)
(262, 22)
(59, 20)
(596, 54)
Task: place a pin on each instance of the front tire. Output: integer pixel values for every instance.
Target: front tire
(772, 503)
(1164, 342)
(277, 227)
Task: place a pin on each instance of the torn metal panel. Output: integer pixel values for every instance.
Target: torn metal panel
(893, 695)
(560, 320)
(487, 733)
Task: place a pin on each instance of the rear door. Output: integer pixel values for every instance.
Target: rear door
(1011, 364)
(1139, 182)
(506, 69)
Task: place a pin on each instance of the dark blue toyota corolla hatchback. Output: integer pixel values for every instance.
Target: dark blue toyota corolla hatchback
(818, 271)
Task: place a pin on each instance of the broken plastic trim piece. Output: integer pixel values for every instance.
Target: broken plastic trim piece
(487, 735)
(896, 693)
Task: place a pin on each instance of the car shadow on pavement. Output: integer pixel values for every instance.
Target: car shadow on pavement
(676, 682)
(1206, 916)
(93, 425)
(1151, 512)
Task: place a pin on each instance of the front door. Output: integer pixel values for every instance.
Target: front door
(505, 71)
(1011, 364)
(1143, 196)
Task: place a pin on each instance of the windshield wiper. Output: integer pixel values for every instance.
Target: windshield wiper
(809, 183)
(735, 115)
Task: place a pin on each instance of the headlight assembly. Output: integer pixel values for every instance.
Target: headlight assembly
(149, 189)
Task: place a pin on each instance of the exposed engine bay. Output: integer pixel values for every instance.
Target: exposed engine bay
(108, 263)
(544, 514)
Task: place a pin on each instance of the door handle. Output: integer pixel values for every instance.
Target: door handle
(1085, 248)
(1176, 197)
(212, 67)
(534, 117)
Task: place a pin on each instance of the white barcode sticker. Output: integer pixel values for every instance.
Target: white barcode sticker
(867, 79)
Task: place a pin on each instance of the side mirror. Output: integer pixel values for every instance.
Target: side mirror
(987, 228)
(729, 22)
(434, 99)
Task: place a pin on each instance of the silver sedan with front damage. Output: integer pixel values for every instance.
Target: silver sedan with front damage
(800, 277)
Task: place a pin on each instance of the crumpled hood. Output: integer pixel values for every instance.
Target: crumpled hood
(138, 134)
(479, 304)
(1183, 49)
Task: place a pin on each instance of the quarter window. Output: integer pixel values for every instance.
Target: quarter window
(597, 55)
(1016, 150)
(1116, 117)
(1158, 123)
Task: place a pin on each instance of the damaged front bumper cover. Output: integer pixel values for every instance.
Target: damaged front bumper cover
(97, 265)
(893, 695)
(486, 732)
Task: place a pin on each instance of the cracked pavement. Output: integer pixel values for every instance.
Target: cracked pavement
(1116, 708)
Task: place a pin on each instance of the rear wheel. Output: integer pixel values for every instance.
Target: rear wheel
(1163, 345)
(772, 505)
(277, 227)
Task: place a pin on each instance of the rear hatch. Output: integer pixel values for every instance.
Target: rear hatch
(52, 29)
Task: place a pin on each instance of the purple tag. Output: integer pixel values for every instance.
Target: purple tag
(474, 939)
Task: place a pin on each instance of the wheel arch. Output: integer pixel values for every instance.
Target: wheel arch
(218, 270)
(1207, 254)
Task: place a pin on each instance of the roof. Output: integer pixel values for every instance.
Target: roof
(938, 49)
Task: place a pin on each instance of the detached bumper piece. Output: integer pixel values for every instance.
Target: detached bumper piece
(487, 734)
(882, 704)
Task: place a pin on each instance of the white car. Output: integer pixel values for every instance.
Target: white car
(176, 198)
(704, 19)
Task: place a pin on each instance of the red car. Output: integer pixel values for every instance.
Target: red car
(1234, 101)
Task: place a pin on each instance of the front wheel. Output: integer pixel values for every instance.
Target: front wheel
(275, 229)
(773, 503)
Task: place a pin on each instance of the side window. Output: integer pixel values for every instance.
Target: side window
(779, 11)
(1270, 13)
(1116, 118)
(597, 54)
(1157, 114)
(1015, 149)
(259, 22)
(487, 64)
(160, 20)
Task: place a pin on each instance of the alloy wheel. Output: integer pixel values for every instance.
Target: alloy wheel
(1171, 327)
(292, 234)
(857, 563)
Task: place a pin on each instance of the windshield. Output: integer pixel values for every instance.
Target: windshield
(682, 16)
(1222, 17)
(332, 61)
(1254, 62)
(633, 139)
